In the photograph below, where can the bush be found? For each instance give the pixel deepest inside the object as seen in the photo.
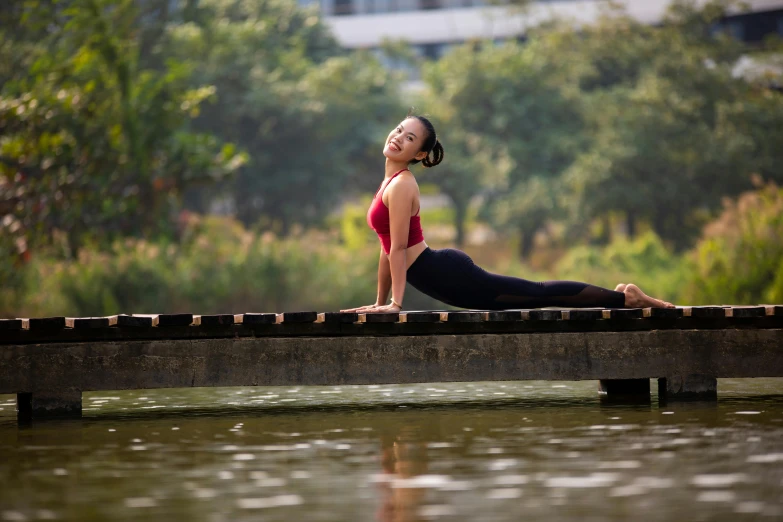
(218, 267)
(739, 259)
(644, 261)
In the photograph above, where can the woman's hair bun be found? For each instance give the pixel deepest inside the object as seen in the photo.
(437, 156)
(431, 145)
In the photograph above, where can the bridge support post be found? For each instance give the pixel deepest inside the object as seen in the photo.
(688, 387)
(625, 390)
(46, 404)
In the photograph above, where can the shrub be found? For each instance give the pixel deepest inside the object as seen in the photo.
(644, 261)
(217, 267)
(739, 259)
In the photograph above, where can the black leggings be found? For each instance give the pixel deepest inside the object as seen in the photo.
(450, 276)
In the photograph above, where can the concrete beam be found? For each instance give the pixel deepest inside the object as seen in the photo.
(49, 404)
(617, 387)
(381, 360)
(688, 387)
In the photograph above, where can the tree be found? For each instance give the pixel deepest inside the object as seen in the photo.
(513, 98)
(674, 131)
(311, 116)
(90, 144)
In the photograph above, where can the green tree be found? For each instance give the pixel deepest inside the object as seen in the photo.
(674, 130)
(311, 116)
(92, 145)
(513, 97)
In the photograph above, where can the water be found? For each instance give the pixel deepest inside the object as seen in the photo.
(459, 451)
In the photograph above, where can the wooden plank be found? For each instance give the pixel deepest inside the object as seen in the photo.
(136, 321)
(663, 313)
(175, 320)
(409, 328)
(583, 314)
(47, 323)
(774, 310)
(623, 313)
(422, 317)
(300, 317)
(11, 324)
(746, 311)
(503, 316)
(390, 317)
(95, 322)
(464, 317)
(341, 317)
(546, 315)
(218, 320)
(708, 312)
(253, 319)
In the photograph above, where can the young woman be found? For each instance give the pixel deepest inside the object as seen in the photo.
(449, 275)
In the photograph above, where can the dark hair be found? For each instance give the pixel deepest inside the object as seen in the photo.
(431, 144)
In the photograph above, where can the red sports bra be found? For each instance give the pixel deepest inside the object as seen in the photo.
(378, 219)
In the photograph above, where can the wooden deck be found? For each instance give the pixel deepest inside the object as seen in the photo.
(49, 362)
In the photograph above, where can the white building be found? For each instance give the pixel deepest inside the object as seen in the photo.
(431, 26)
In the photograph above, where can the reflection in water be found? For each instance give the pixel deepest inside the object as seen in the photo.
(403, 458)
(457, 452)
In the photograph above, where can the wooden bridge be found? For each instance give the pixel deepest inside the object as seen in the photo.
(49, 362)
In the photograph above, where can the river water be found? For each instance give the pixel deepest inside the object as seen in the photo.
(499, 451)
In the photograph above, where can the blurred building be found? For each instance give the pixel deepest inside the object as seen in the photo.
(432, 26)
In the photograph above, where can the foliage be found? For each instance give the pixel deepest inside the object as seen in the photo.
(116, 114)
(511, 97)
(673, 136)
(310, 115)
(739, 259)
(644, 261)
(653, 123)
(470, 170)
(218, 266)
(91, 144)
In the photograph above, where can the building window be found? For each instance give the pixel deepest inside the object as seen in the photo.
(343, 7)
(432, 51)
(429, 4)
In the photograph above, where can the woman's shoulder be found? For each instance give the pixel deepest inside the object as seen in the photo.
(405, 179)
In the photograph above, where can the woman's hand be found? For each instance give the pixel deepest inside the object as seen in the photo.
(374, 309)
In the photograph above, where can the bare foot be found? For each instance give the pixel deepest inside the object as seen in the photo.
(620, 287)
(635, 298)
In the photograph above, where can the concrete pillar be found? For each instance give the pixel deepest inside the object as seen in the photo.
(688, 387)
(624, 390)
(43, 405)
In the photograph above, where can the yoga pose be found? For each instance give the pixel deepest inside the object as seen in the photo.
(449, 275)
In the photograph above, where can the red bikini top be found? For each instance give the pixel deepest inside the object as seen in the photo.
(378, 219)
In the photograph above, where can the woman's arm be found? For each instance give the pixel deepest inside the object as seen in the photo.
(401, 197)
(384, 284)
(392, 269)
(384, 279)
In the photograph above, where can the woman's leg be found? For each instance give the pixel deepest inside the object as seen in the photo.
(451, 276)
(512, 292)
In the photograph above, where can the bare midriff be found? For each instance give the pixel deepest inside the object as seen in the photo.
(412, 253)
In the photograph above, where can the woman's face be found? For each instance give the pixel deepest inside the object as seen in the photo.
(404, 141)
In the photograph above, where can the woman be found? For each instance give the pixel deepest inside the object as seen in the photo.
(449, 275)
